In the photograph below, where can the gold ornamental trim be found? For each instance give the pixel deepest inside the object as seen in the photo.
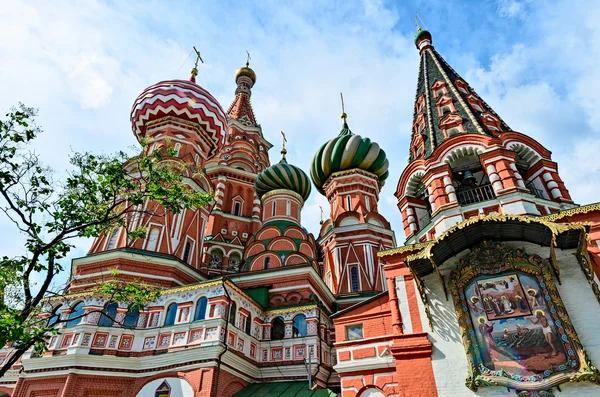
(283, 191)
(573, 211)
(292, 309)
(404, 248)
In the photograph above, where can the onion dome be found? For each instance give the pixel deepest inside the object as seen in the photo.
(247, 72)
(422, 34)
(283, 176)
(184, 100)
(345, 152)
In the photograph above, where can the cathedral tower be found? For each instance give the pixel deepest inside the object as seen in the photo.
(182, 115)
(465, 161)
(237, 212)
(350, 171)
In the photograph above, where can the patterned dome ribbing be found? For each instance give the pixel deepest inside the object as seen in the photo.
(283, 176)
(345, 152)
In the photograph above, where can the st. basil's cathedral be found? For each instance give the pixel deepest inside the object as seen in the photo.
(495, 291)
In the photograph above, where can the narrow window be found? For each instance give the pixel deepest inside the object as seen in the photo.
(277, 328)
(76, 315)
(237, 208)
(113, 239)
(54, 318)
(299, 326)
(196, 157)
(453, 131)
(288, 208)
(354, 278)
(349, 203)
(171, 313)
(232, 313)
(108, 315)
(368, 203)
(477, 107)
(249, 324)
(446, 110)
(274, 208)
(186, 251)
(200, 313)
(267, 262)
(177, 148)
(131, 318)
(152, 239)
(439, 93)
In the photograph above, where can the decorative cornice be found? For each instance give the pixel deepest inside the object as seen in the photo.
(283, 191)
(405, 248)
(573, 211)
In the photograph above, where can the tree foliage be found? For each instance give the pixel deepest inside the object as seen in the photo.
(98, 194)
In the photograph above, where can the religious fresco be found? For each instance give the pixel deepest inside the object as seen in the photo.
(514, 326)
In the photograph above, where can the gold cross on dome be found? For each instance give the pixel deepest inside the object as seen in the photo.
(284, 139)
(198, 58)
(321, 208)
(248, 59)
(343, 109)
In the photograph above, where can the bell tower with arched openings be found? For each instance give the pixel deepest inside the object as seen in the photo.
(465, 161)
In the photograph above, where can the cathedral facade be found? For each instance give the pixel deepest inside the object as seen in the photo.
(495, 290)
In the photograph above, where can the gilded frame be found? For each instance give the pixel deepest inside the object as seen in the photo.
(491, 259)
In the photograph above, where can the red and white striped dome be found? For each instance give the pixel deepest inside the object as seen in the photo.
(182, 99)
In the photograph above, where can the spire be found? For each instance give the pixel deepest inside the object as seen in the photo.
(241, 108)
(345, 129)
(195, 68)
(445, 104)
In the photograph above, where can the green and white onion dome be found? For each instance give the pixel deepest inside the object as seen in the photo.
(345, 152)
(283, 176)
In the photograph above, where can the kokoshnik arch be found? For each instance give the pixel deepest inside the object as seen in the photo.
(495, 291)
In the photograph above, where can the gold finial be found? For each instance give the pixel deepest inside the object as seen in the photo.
(344, 115)
(417, 19)
(198, 58)
(321, 208)
(283, 149)
(248, 59)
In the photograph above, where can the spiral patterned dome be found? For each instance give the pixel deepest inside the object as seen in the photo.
(283, 176)
(345, 152)
(184, 100)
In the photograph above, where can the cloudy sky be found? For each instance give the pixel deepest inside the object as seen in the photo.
(83, 64)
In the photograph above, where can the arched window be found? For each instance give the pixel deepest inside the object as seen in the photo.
(267, 262)
(299, 326)
(453, 131)
(288, 208)
(186, 251)
(232, 313)
(152, 239)
(76, 315)
(446, 110)
(248, 324)
(177, 148)
(371, 392)
(113, 239)
(109, 313)
(54, 318)
(354, 278)
(273, 210)
(131, 318)
(368, 203)
(171, 314)
(237, 208)
(349, 203)
(277, 328)
(200, 313)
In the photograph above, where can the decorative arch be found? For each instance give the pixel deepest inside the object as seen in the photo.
(348, 218)
(293, 298)
(524, 152)
(462, 151)
(277, 300)
(296, 259)
(294, 232)
(178, 387)
(255, 249)
(258, 262)
(268, 233)
(414, 181)
(282, 244)
(371, 391)
(377, 219)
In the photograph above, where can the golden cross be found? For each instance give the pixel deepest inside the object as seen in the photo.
(343, 109)
(248, 59)
(284, 139)
(198, 57)
(321, 208)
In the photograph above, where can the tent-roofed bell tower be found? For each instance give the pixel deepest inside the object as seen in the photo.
(237, 211)
(464, 160)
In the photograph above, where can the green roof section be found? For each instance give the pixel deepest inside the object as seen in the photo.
(282, 389)
(259, 294)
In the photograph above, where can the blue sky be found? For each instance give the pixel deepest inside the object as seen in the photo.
(83, 63)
